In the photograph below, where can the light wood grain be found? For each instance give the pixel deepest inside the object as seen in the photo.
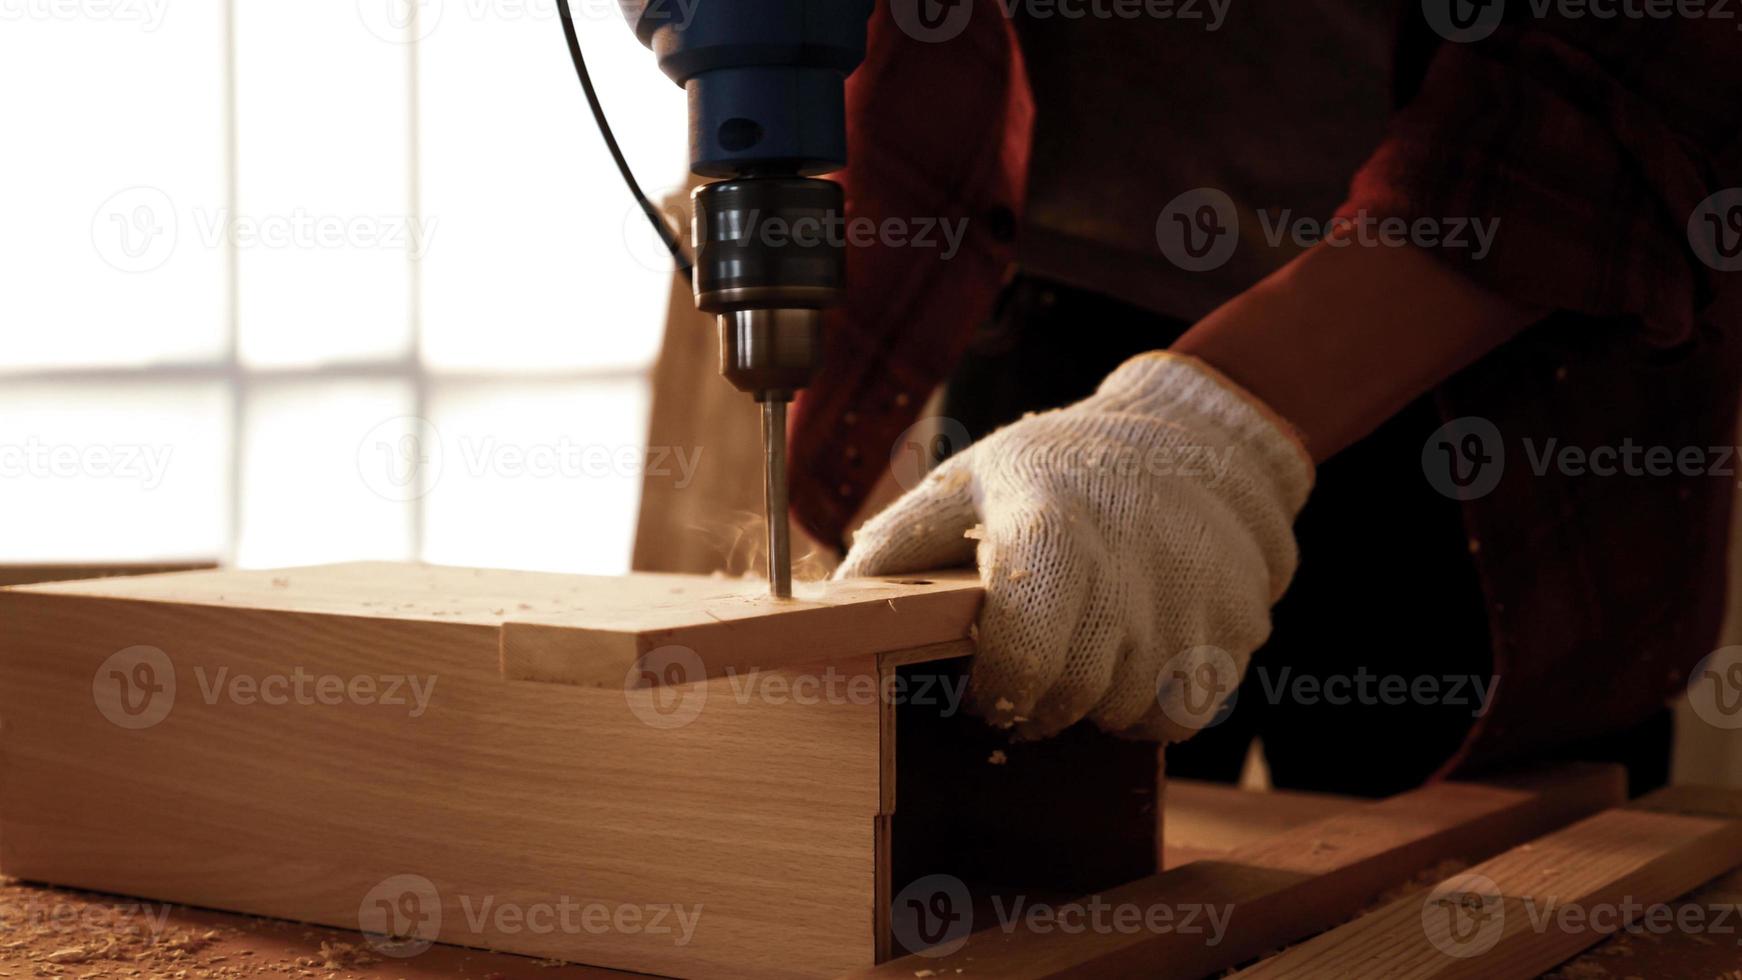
(763, 812)
(1528, 909)
(1210, 820)
(590, 630)
(30, 574)
(1289, 885)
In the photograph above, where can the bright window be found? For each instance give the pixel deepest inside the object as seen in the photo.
(285, 283)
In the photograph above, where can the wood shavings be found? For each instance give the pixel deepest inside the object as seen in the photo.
(1018, 574)
(1004, 704)
(975, 533)
(997, 758)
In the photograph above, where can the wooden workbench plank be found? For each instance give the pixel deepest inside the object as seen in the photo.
(1206, 821)
(590, 630)
(761, 812)
(1512, 917)
(1288, 886)
(33, 574)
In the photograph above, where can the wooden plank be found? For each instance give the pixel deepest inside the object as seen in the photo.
(590, 630)
(762, 813)
(1209, 820)
(31, 574)
(1655, 946)
(1528, 909)
(738, 627)
(1287, 887)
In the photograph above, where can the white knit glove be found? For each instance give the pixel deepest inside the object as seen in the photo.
(1131, 547)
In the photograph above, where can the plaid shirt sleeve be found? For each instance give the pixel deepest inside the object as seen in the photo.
(938, 125)
(1591, 143)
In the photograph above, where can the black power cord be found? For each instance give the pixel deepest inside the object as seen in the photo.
(666, 235)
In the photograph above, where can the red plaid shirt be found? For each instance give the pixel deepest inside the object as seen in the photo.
(1594, 143)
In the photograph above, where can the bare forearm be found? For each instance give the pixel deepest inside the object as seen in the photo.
(1343, 337)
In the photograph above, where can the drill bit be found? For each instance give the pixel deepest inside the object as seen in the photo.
(774, 496)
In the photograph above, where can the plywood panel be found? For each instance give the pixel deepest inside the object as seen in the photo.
(510, 799)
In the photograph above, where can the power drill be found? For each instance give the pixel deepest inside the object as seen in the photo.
(767, 103)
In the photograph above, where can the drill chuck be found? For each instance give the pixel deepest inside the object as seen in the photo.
(769, 259)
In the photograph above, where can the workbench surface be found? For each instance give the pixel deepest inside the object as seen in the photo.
(55, 933)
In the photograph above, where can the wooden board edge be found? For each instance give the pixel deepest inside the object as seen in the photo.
(1701, 847)
(1442, 821)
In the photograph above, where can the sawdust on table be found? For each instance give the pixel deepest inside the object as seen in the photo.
(51, 932)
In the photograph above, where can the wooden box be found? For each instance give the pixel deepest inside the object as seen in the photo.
(667, 774)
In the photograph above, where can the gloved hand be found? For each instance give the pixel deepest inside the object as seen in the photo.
(1131, 547)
